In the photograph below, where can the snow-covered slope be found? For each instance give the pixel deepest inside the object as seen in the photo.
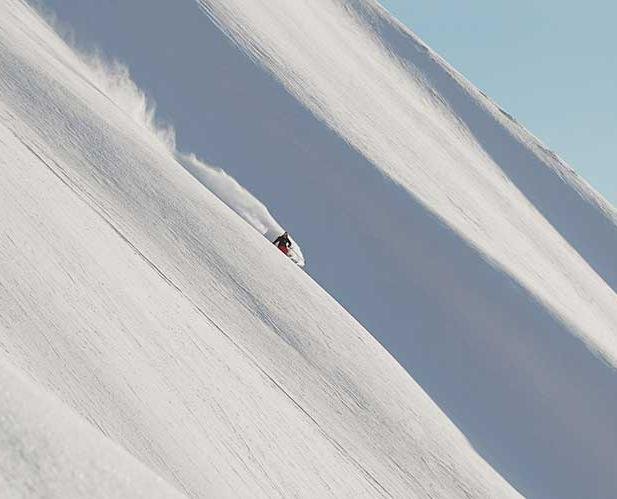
(47, 450)
(141, 315)
(468, 249)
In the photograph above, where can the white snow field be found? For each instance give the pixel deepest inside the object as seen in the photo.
(47, 450)
(141, 316)
(146, 307)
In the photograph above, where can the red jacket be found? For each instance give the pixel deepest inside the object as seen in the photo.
(283, 247)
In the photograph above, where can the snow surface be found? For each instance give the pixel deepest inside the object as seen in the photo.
(47, 450)
(483, 264)
(140, 315)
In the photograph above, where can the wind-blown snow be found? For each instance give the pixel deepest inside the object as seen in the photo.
(233, 194)
(114, 79)
(228, 190)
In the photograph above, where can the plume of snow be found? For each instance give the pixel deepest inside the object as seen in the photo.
(228, 190)
(114, 80)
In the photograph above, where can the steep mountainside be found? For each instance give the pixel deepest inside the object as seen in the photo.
(468, 249)
(146, 329)
(478, 259)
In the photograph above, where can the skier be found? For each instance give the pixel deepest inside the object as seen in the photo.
(283, 243)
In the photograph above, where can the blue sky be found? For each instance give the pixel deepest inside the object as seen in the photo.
(550, 63)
